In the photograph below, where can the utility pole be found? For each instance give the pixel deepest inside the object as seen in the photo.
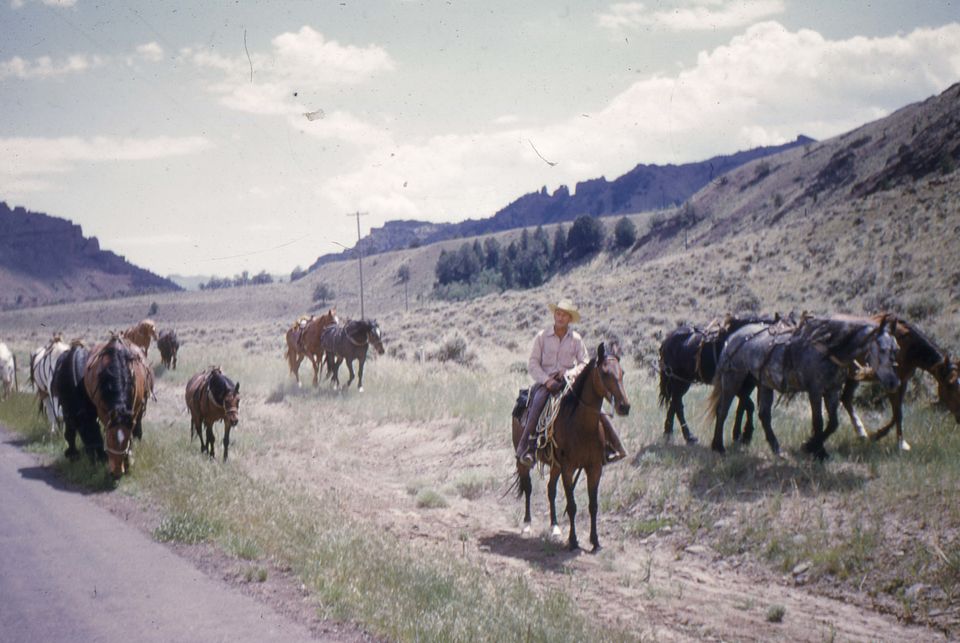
(358, 214)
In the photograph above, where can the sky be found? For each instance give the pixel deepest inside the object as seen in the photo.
(202, 138)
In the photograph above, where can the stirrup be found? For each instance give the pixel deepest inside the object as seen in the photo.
(527, 459)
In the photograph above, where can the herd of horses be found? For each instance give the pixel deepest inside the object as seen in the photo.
(824, 357)
(101, 394)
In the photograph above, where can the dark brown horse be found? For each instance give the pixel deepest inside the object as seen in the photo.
(119, 381)
(79, 413)
(348, 342)
(141, 334)
(169, 346)
(211, 397)
(689, 355)
(915, 351)
(577, 442)
(303, 340)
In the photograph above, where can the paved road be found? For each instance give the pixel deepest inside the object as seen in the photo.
(71, 571)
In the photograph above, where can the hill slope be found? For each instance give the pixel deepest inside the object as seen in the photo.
(645, 187)
(30, 276)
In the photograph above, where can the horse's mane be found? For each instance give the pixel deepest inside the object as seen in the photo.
(571, 399)
(923, 349)
(78, 362)
(842, 338)
(219, 385)
(114, 382)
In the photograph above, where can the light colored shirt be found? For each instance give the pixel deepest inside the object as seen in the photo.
(550, 354)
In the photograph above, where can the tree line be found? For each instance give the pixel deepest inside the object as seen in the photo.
(476, 268)
(237, 281)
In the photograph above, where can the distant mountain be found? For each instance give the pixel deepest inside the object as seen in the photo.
(189, 282)
(45, 259)
(645, 187)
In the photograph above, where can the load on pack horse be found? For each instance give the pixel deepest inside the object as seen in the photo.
(689, 355)
(169, 345)
(8, 372)
(303, 340)
(79, 412)
(576, 441)
(119, 381)
(141, 334)
(915, 351)
(815, 358)
(348, 342)
(211, 397)
(42, 362)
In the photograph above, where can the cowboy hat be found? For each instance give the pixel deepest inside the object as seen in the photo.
(568, 307)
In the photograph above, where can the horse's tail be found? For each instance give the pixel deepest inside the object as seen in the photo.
(710, 410)
(519, 484)
(16, 386)
(665, 394)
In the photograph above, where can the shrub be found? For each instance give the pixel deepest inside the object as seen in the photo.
(322, 293)
(923, 306)
(585, 237)
(624, 234)
(153, 309)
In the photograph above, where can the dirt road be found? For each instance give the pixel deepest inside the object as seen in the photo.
(71, 571)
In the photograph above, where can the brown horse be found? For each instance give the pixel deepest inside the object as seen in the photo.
(169, 345)
(212, 396)
(915, 351)
(303, 340)
(141, 334)
(118, 381)
(578, 442)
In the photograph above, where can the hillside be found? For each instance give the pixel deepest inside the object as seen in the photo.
(644, 188)
(45, 259)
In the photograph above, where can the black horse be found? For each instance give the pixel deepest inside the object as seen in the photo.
(169, 344)
(348, 342)
(689, 355)
(79, 413)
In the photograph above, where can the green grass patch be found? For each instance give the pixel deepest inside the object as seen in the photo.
(431, 499)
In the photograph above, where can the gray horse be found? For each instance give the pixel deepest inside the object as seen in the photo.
(814, 358)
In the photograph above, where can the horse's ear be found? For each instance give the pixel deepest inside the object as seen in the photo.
(236, 389)
(601, 352)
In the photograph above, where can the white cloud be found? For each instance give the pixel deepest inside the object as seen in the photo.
(151, 51)
(46, 67)
(694, 15)
(18, 4)
(766, 86)
(298, 62)
(25, 161)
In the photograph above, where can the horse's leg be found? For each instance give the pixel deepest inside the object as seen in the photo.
(814, 445)
(226, 439)
(593, 485)
(765, 401)
(744, 407)
(832, 401)
(315, 362)
(568, 489)
(360, 362)
(896, 406)
(70, 434)
(723, 406)
(349, 370)
(552, 499)
(211, 444)
(846, 397)
(678, 404)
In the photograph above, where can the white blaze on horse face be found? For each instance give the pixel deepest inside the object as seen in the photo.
(120, 437)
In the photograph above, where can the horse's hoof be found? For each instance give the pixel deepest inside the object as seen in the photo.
(555, 532)
(904, 445)
(360, 390)
(718, 448)
(574, 545)
(526, 529)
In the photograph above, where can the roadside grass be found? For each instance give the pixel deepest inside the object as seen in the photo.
(356, 573)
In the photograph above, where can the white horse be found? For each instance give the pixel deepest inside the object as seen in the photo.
(43, 361)
(8, 372)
